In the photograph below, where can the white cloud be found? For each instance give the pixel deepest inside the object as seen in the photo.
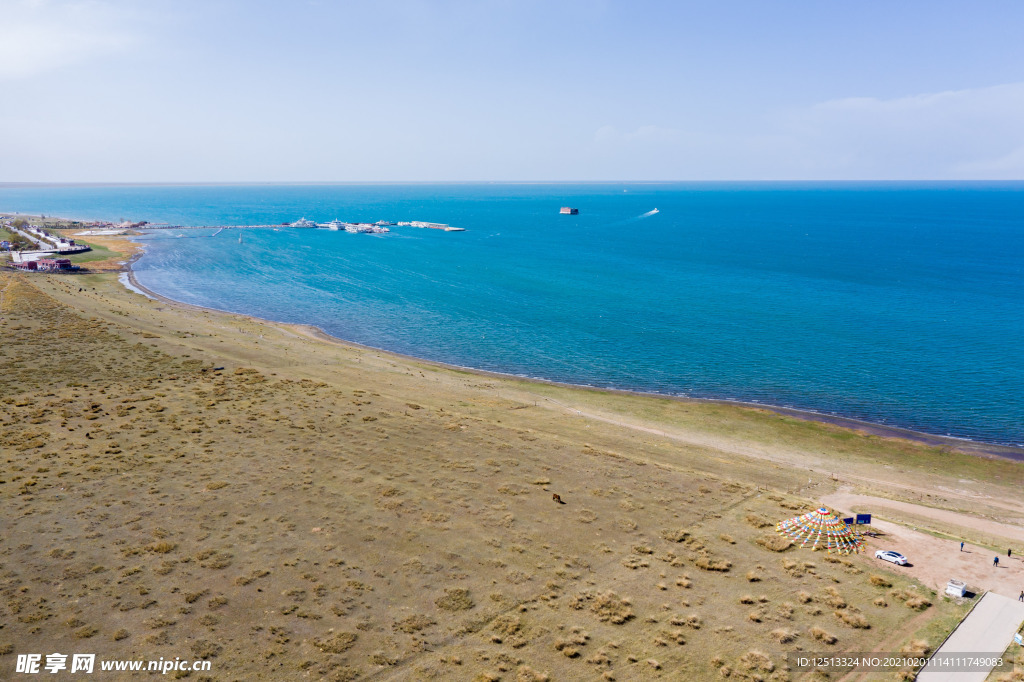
(961, 134)
(43, 35)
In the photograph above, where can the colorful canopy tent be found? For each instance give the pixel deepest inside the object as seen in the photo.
(822, 529)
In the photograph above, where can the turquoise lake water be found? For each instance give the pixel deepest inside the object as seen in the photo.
(901, 304)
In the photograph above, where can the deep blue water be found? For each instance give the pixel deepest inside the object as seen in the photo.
(900, 304)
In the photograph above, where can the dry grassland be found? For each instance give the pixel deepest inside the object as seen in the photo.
(327, 512)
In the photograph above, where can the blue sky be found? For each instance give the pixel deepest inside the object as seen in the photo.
(395, 90)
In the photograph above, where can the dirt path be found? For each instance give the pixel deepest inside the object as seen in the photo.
(848, 501)
(772, 455)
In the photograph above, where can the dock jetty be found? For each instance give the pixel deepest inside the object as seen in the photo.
(337, 225)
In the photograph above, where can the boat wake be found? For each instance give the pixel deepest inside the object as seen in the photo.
(641, 216)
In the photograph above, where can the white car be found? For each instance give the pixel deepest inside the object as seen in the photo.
(894, 557)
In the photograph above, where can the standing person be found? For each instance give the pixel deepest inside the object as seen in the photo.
(1009, 552)
(961, 546)
(995, 562)
(1021, 597)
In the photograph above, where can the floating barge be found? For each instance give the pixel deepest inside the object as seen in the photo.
(568, 210)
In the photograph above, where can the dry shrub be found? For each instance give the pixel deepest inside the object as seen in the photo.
(692, 621)
(675, 535)
(1015, 676)
(455, 599)
(413, 623)
(823, 635)
(527, 674)
(758, 521)
(757, 660)
(804, 597)
(215, 560)
(747, 599)
(880, 581)
(256, 574)
(755, 616)
(911, 599)
(917, 647)
(880, 601)
(161, 547)
(507, 625)
(337, 644)
(206, 649)
(834, 599)
(854, 620)
(635, 562)
(705, 562)
(753, 576)
(608, 606)
(192, 597)
(783, 636)
(774, 543)
(727, 538)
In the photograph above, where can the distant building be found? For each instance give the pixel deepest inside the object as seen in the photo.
(55, 264)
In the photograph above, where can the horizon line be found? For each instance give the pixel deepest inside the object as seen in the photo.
(214, 183)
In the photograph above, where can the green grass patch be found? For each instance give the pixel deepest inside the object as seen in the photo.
(98, 253)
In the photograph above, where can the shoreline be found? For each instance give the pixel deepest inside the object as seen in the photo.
(959, 444)
(963, 445)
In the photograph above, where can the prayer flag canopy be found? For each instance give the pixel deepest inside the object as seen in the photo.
(821, 529)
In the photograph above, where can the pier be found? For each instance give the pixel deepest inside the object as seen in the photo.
(416, 223)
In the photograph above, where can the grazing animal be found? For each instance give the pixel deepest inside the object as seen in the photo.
(557, 498)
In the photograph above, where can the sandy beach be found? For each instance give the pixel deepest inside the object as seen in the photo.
(184, 482)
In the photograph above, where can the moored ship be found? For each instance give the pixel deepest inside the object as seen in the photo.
(568, 210)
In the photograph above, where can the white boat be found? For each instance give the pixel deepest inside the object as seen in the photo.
(302, 222)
